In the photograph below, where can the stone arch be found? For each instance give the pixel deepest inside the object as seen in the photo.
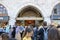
(35, 12)
(4, 18)
(3, 9)
(54, 6)
(30, 4)
(55, 15)
(30, 8)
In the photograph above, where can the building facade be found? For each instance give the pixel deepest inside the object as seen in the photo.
(44, 8)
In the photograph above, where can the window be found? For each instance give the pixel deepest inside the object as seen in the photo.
(55, 10)
(2, 9)
(55, 15)
(3, 14)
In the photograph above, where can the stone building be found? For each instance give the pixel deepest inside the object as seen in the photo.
(31, 11)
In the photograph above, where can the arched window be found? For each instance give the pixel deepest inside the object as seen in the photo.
(55, 16)
(3, 14)
(3, 9)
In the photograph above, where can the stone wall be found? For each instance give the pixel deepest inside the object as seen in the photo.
(15, 6)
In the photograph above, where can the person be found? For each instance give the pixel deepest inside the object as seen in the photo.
(24, 31)
(35, 29)
(10, 32)
(28, 34)
(1, 30)
(20, 27)
(5, 36)
(7, 30)
(18, 35)
(43, 32)
(58, 27)
(0, 37)
(53, 34)
(13, 32)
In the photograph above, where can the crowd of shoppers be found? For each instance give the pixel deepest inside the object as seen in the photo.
(30, 32)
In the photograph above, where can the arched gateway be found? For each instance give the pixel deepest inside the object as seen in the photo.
(4, 18)
(29, 15)
(55, 16)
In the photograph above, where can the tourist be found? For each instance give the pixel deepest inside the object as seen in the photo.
(35, 29)
(53, 34)
(5, 36)
(58, 27)
(0, 37)
(18, 35)
(10, 32)
(13, 32)
(28, 34)
(43, 32)
(21, 29)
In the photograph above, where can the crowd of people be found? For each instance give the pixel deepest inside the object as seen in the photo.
(19, 32)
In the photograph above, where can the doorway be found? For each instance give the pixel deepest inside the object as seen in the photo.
(29, 15)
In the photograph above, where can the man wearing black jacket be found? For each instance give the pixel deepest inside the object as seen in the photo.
(43, 32)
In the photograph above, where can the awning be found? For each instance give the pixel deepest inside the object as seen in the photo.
(29, 18)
